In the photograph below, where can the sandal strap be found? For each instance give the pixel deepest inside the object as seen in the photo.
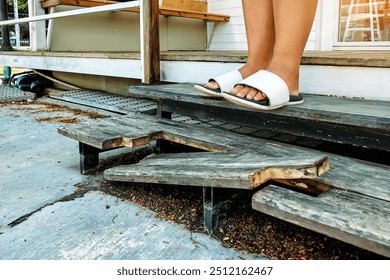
(271, 85)
(228, 80)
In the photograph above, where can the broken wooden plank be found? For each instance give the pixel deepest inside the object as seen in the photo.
(218, 170)
(367, 182)
(139, 129)
(355, 219)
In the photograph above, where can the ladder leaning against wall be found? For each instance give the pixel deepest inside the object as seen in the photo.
(355, 15)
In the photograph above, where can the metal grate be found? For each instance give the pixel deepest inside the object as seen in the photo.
(107, 101)
(10, 94)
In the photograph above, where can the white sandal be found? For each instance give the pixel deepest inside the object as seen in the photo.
(272, 86)
(225, 82)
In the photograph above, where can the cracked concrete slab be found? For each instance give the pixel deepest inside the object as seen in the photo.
(45, 215)
(37, 166)
(98, 226)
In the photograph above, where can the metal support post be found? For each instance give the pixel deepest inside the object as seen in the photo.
(216, 204)
(89, 158)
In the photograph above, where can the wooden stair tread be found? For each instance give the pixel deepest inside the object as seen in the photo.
(362, 123)
(359, 220)
(223, 170)
(365, 113)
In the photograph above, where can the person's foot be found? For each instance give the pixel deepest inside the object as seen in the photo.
(291, 78)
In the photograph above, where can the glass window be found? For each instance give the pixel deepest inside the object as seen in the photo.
(364, 21)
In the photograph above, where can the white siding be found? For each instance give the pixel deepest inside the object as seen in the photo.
(231, 36)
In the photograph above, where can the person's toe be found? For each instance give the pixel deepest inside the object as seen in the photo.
(251, 93)
(259, 96)
(236, 89)
(244, 91)
(212, 85)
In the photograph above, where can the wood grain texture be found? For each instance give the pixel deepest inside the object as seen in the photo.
(350, 217)
(185, 5)
(221, 170)
(151, 42)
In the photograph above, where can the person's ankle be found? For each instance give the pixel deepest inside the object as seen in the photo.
(289, 74)
(248, 70)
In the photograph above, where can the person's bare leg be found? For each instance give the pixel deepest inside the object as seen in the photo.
(293, 22)
(259, 25)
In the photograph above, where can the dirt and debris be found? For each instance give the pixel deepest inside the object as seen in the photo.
(40, 107)
(59, 120)
(244, 228)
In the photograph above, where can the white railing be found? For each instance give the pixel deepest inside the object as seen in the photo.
(104, 8)
(83, 11)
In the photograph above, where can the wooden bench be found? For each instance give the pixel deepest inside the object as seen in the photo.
(167, 9)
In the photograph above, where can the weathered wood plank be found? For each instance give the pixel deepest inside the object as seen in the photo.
(379, 59)
(220, 170)
(370, 114)
(350, 217)
(363, 123)
(352, 192)
(151, 42)
(134, 129)
(111, 132)
(185, 5)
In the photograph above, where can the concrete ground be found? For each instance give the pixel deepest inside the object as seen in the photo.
(49, 211)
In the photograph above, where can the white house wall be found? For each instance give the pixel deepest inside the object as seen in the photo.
(231, 36)
(119, 31)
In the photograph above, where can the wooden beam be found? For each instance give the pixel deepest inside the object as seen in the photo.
(150, 46)
(185, 5)
(195, 15)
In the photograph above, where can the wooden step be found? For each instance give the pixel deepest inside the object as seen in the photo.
(353, 218)
(218, 170)
(341, 196)
(362, 123)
